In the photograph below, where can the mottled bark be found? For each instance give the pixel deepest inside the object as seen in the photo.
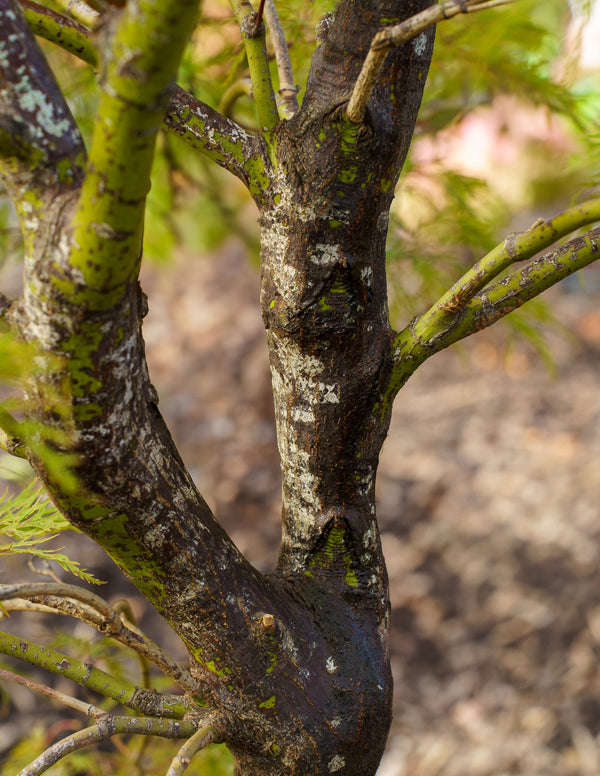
(293, 666)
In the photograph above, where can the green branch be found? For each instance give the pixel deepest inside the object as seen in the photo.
(221, 139)
(141, 63)
(66, 33)
(258, 64)
(84, 13)
(201, 127)
(439, 327)
(525, 284)
(146, 701)
(516, 247)
(104, 728)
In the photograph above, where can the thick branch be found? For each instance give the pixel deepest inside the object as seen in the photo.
(141, 65)
(221, 139)
(41, 150)
(392, 37)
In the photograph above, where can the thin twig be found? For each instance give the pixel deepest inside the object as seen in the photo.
(288, 92)
(95, 611)
(67, 700)
(391, 37)
(104, 728)
(201, 738)
(22, 605)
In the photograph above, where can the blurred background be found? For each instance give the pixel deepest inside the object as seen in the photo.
(489, 484)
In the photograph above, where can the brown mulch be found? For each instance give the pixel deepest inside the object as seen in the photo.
(489, 493)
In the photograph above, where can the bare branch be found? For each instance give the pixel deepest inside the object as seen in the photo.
(391, 37)
(104, 728)
(288, 91)
(67, 700)
(220, 138)
(201, 739)
(515, 248)
(95, 611)
(526, 283)
(238, 150)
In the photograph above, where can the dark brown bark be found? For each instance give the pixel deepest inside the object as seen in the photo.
(294, 666)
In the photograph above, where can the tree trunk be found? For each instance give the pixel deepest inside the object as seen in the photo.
(294, 665)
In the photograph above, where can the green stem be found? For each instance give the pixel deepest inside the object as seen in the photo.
(258, 64)
(417, 342)
(146, 701)
(66, 33)
(204, 129)
(140, 69)
(516, 247)
(525, 284)
(67, 599)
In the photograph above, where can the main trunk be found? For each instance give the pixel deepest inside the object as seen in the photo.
(294, 666)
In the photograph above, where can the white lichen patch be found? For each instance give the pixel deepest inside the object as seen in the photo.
(326, 255)
(34, 101)
(300, 415)
(3, 55)
(329, 393)
(420, 44)
(366, 274)
(336, 763)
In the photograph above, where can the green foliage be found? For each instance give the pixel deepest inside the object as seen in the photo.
(26, 519)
